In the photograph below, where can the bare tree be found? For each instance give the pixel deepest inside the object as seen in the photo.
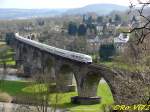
(3, 60)
(136, 56)
(44, 91)
(141, 31)
(40, 98)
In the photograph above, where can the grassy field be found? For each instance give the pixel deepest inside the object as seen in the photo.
(14, 88)
(2, 43)
(6, 55)
(122, 66)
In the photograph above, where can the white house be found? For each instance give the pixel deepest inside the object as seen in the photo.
(121, 40)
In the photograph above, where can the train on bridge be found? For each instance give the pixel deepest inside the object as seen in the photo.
(56, 51)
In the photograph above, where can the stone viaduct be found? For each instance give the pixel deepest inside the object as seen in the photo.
(61, 69)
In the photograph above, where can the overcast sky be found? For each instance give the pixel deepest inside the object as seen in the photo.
(29, 4)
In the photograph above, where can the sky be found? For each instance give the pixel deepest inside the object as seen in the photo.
(39, 4)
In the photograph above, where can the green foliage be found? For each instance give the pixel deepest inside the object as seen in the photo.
(84, 19)
(117, 18)
(100, 19)
(72, 28)
(6, 55)
(122, 29)
(79, 45)
(92, 28)
(9, 38)
(40, 22)
(110, 20)
(15, 88)
(82, 30)
(106, 52)
(90, 20)
(124, 66)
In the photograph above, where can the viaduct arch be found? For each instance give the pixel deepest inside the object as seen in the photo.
(61, 69)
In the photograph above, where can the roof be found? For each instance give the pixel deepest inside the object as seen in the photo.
(122, 38)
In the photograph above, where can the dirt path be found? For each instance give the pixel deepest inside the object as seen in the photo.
(10, 107)
(9, 71)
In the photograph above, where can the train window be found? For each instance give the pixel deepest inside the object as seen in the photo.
(28, 37)
(73, 55)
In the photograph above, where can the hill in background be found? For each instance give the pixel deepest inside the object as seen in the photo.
(100, 9)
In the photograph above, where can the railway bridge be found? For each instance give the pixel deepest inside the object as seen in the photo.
(62, 69)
